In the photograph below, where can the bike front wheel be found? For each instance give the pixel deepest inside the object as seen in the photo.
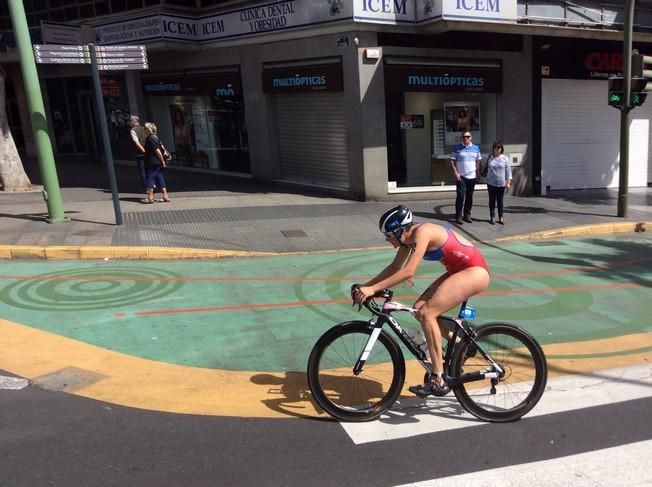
(525, 373)
(343, 394)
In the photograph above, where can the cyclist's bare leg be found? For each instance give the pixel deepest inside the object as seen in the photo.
(445, 293)
(426, 295)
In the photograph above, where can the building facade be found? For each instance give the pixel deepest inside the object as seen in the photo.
(361, 98)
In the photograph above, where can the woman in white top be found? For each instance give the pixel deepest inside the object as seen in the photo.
(499, 176)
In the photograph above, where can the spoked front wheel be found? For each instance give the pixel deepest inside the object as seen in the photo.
(509, 397)
(333, 383)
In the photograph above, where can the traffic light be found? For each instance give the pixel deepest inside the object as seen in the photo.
(638, 92)
(616, 91)
(639, 85)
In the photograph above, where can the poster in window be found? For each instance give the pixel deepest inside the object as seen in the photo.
(462, 116)
(182, 125)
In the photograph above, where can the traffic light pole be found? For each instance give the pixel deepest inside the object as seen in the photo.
(623, 181)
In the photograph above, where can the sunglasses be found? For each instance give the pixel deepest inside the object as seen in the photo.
(466, 136)
(389, 235)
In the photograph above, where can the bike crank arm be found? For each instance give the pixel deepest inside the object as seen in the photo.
(357, 369)
(472, 377)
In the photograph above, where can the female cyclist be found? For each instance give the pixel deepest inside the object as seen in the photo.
(466, 274)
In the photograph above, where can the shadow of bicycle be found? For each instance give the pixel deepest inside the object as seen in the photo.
(293, 398)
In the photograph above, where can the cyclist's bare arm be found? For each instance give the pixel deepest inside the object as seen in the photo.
(395, 266)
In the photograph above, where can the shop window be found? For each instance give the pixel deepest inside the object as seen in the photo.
(118, 6)
(203, 131)
(60, 115)
(86, 12)
(424, 127)
(134, 4)
(71, 13)
(35, 5)
(185, 3)
(102, 7)
(57, 15)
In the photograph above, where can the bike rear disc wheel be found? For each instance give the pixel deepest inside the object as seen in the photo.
(341, 393)
(518, 391)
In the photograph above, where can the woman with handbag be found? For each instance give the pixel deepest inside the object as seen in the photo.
(154, 164)
(498, 174)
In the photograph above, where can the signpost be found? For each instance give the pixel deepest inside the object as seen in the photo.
(61, 54)
(101, 58)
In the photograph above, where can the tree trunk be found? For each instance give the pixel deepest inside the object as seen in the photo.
(12, 173)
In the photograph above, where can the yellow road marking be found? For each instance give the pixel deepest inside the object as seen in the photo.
(148, 384)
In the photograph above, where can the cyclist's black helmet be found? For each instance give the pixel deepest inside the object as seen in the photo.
(395, 221)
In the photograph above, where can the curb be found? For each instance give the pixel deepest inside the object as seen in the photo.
(78, 252)
(582, 230)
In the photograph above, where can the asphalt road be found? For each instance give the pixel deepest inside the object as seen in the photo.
(234, 410)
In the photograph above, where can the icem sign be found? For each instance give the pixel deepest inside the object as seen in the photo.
(384, 11)
(479, 10)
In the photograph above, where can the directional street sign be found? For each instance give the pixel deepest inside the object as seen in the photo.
(109, 58)
(61, 54)
(112, 58)
(115, 49)
(117, 67)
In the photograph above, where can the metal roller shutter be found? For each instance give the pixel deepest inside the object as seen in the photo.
(580, 137)
(312, 138)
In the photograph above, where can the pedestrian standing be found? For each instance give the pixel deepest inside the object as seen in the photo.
(138, 137)
(154, 164)
(465, 164)
(499, 176)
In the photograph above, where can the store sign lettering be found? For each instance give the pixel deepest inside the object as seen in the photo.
(451, 81)
(225, 92)
(385, 6)
(479, 5)
(269, 17)
(299, 81)
(604, 61)
(266, 16)
(162, 87)
(478, 10)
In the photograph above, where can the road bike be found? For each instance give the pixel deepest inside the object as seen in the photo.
(356, 369)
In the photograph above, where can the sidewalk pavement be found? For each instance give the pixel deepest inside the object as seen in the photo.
(213, 215)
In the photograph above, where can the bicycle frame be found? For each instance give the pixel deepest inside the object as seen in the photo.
(458, 326)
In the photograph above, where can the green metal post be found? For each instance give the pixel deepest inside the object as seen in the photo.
(51, 191)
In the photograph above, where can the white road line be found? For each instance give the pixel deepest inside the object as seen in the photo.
(620, 465)
(12, 383)
(415, 416)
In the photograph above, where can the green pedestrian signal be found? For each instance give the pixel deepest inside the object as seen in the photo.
(638, 99)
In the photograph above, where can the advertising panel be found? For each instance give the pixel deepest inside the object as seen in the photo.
(462, 116)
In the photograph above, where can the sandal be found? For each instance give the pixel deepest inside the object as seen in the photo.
(147, 201)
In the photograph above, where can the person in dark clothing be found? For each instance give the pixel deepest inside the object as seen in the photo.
(154, 164)
(138, 136)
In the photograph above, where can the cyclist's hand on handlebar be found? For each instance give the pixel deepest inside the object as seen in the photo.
(361, 294)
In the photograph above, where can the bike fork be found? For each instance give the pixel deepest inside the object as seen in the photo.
(357, 369)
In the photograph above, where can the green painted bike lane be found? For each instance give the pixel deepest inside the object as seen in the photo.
(265, 313)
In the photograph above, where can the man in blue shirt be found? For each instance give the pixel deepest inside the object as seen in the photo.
(465, 163)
